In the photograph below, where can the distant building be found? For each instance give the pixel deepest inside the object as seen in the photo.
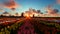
(22, 14)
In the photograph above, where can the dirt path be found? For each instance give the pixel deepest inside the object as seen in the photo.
(26, 28)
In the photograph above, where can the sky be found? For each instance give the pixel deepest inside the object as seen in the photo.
(24, 5)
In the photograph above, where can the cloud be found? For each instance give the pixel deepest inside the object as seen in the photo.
(58, 1)
(55, 10)
(1, 10)
(52, 13)
(50, 10)
(10, 4)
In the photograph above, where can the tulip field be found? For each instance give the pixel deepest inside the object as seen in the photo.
(29, 26)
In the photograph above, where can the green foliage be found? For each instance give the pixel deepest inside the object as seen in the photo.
(7, 30)
(56, 25)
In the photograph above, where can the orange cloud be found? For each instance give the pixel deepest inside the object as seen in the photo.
(10, 4)
(58, 1)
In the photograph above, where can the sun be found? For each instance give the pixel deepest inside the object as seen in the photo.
(26, 15)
